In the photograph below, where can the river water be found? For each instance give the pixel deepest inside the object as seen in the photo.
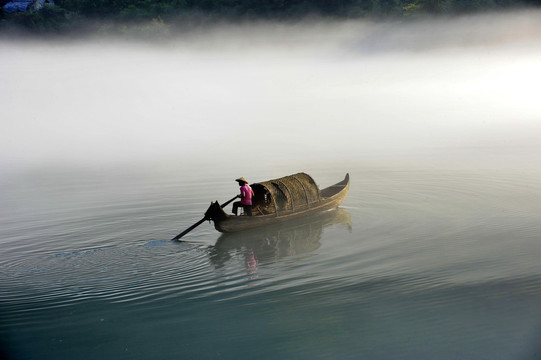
(416, 263)
(434, 254)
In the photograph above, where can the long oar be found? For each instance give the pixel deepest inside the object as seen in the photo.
(199, 222)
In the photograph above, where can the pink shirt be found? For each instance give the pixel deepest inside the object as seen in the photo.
(246, 193)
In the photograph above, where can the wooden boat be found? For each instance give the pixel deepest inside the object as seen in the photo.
(280, 200)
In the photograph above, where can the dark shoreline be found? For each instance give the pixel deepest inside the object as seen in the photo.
(160, 19)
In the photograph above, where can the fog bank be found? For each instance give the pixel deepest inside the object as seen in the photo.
(452, 89)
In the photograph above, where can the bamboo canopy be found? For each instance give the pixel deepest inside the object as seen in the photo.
(289, 193)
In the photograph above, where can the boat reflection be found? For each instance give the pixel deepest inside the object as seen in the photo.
(273, 242)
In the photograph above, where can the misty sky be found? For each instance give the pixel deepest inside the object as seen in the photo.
(368, 90)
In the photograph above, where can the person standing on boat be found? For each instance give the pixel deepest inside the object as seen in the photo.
(246, 194)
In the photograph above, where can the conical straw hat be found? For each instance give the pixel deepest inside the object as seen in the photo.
(241, 179)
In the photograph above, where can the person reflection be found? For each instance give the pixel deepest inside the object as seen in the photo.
(251, 264)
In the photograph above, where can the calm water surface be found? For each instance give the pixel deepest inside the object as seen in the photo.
(418, 263)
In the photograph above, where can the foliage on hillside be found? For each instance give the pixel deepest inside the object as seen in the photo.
(70, 15)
